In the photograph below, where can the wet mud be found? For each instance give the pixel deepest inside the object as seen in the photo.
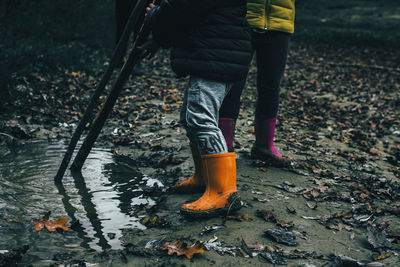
(337, 204)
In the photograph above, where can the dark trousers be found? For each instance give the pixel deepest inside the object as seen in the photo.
(271, 48)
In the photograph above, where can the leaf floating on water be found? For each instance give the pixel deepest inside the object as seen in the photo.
(16, 220)
(50, 225)
(180, 248)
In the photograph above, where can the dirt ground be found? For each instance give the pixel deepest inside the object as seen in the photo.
(336, 205)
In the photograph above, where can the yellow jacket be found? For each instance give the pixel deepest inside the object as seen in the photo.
(277, 15)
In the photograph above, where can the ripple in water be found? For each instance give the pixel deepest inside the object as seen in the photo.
(102, 199)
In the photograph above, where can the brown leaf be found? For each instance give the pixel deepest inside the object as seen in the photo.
(76, 74)
(266, 215)
(270, 217)
(16, 220)
(312, 206)
(50, 225)
(241, 218)
(180, 248)
(166, 108)
(259, 246)
(384, 256)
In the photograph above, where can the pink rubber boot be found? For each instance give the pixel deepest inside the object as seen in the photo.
(227, 126)
(264, 147)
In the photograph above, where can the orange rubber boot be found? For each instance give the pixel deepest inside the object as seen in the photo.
(196, 183)
(221, 194)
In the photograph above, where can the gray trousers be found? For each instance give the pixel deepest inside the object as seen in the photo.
(199, 114)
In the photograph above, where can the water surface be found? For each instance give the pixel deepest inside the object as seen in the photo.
(102, 199)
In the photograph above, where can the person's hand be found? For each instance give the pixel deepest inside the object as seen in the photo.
(146, 28)
(151, 5)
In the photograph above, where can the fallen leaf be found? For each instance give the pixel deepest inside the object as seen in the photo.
(76, 74)
(282, 236)
(384, 256)
(269, 216)
(312, 206)
(261, 199)
(241, 218)
(377, 238)
(180, 248)
(258, 246)
(50, 225)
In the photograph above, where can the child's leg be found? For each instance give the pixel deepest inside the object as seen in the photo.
(203, 99)
(271, 49)
(229, 112)
(197, 109)
(199, 114)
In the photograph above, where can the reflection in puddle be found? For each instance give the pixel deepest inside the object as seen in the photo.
(102, 199)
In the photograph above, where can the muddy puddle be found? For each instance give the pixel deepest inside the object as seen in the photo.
(99, 202)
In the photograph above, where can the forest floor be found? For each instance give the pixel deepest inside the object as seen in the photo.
(338, 203)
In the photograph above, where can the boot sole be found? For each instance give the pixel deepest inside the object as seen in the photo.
(271, 159)
(233, 205)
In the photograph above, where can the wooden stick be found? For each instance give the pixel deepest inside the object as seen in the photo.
(134, 57)
(133, 19)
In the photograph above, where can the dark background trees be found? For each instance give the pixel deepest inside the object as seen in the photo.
(39, 36)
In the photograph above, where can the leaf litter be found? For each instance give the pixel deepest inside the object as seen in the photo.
(336, 104)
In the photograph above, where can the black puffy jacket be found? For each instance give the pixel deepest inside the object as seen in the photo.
(209, 38)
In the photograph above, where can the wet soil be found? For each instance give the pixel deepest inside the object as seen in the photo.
(338, 121)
